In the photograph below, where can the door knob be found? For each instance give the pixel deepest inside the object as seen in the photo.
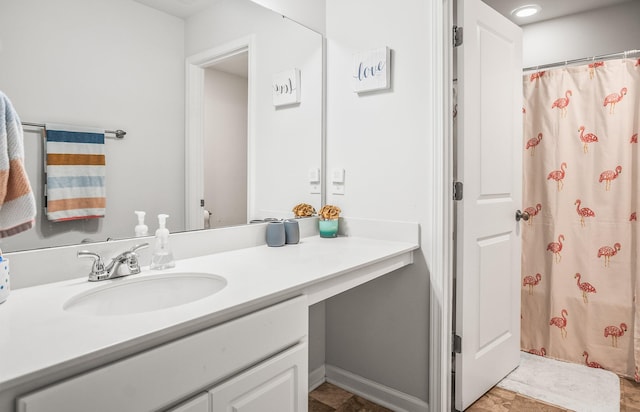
(522, 215)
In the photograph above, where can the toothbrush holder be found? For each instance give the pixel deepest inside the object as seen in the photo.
(275, 234)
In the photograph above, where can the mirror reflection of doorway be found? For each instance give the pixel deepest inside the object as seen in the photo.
(225, 141)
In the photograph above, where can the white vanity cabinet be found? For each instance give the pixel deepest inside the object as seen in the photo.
(199, 403)
(277, 384)
(258, 357)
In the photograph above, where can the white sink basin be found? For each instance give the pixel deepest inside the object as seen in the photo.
(126, 296)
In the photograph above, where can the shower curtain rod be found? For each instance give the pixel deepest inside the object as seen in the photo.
(623, 54)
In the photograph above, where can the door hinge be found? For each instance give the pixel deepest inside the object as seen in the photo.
(201, 202)
(457, 190)
(457, 344)
(457, 36)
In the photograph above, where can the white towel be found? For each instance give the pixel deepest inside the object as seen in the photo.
(75, 172)
(17, 203)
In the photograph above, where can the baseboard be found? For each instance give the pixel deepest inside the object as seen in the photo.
(316, 377)
(373, 391)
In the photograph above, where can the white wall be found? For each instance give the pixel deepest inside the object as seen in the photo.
(286, 141)
(380, 330)
(88, 62)
(310, 13)
(602, 31)
(225, 147)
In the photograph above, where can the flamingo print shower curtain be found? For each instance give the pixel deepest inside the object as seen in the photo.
(581, 189)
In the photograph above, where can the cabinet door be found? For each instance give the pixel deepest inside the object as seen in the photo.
(277, 384)
(198, 404)
(165, 374)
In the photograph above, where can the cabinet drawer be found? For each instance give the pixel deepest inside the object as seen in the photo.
(163, 375)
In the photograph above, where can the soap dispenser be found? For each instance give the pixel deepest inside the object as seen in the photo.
(162, 256)
(141, 229)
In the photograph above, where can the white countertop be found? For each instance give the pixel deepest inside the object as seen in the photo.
(38, 337)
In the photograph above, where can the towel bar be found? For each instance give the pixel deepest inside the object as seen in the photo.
(119, 133)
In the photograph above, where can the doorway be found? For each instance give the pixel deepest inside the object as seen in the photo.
(218, 135)
(226, 88)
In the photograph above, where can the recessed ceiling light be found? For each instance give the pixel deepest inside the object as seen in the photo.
(526, 11)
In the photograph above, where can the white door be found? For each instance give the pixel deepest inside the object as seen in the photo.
(489, 164)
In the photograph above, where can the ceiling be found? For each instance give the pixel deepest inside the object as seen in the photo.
(550, 8)
(179, 8)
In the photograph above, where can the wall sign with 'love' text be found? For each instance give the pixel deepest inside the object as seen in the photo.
(371, 70)
(286, 87)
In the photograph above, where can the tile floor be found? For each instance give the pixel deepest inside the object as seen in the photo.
(498, 399)
(330, 398)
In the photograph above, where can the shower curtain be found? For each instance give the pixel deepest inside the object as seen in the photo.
(581, 190)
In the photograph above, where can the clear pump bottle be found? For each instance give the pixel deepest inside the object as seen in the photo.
(141, 229)
(162, 257)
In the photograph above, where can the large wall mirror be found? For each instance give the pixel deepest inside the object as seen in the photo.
(130, 64)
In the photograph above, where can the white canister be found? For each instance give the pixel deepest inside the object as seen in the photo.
(5, 286)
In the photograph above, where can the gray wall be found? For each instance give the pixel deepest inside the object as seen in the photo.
(602, 31)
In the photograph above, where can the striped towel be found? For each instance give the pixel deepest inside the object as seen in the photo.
(75, 173)
(17, 203)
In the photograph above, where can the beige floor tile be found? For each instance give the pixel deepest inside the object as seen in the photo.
(492, 402)
(331, 395)
(524, 404)
(358, 404)
(317, 406)
(629, 395)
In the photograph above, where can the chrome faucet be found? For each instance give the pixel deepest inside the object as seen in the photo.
(125, 264)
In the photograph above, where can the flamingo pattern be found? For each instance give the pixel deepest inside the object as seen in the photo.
(556, 248)
(592, 68)
(584, 287)
(615, 332)
(533, 211)
(531, 281)
(589, 119)
(562, 102)
(536, 76)
(613, 99)
(560, 322)
(608, 176)
(558, 175)
(607, 252)
(596, 365)
(583, 212)
(586, 139)
(533, 142)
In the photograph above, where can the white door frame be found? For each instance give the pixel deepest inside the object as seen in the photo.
(194, 125)
(441, 259)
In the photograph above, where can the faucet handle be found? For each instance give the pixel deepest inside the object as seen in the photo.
(98, 271)
(138, 247)
(132, 258)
